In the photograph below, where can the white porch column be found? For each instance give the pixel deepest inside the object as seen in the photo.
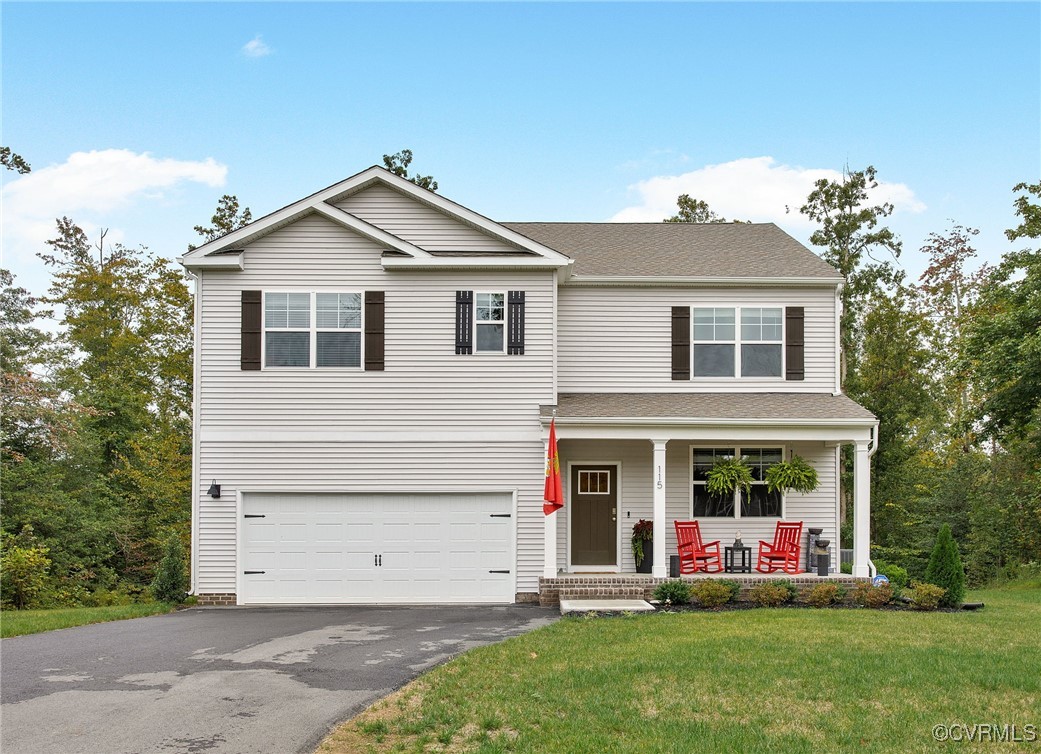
(658, 567)
(549, 561)
(861, 510)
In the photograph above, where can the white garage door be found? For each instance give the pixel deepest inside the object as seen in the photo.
(368, 548)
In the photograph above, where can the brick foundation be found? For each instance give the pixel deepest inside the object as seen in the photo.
(639, 586)
(222, 600)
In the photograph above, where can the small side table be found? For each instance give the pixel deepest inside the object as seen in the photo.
(743, 563)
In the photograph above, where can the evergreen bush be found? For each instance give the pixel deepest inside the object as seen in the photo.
(945, 569)
(673, 592)
(925, 596)
(171, 578)
(711, 593)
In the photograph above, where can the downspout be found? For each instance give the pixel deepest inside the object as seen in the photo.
(872, 447)
(196, 370)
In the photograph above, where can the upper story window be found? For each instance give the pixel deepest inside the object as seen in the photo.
(490, 322)
(312, 329)
(724, 349)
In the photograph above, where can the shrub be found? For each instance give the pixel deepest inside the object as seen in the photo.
(710, 593)
(822, 595)
(897, 575)
(733, 586)
(24, 568)
(171, 579)
(867, 594)
(925, 596)
(945, 569)
(770, 594)
(673, 592)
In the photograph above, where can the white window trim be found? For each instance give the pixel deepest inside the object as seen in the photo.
(737, 493)
(313, 330)
(737, 342)
(477, 323)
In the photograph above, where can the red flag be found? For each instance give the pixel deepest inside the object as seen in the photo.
(554, 494)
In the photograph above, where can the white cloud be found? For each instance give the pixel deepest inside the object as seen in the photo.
(256, 48)
(751, 188)
(95, 189)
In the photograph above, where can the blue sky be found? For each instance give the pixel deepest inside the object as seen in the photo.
(137, 117)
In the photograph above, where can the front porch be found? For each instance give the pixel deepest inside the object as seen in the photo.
(636, 586)
(631, 457)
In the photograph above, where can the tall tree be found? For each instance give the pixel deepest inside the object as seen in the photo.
(226, 218)
(947, 293)
(398, 163)
(1030, 211)
(692, 210)
(850, 234)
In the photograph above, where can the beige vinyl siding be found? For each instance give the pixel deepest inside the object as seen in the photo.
(425, 383)
(432, 421)
(817, 509)
(419, 223)
(615, 339)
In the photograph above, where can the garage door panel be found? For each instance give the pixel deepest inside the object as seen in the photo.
(329, 548)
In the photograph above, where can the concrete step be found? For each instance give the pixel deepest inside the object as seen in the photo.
(604, 606)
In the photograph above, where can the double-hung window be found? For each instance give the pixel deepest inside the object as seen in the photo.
(758, 502)
(312, 329)
(722, 348)
(490, 322)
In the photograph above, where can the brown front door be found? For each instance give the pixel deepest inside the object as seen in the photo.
(594, 515)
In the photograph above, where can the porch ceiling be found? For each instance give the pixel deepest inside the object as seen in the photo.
(820, 415)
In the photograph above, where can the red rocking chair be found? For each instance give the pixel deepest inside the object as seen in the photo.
(783, 554)
(696, 555)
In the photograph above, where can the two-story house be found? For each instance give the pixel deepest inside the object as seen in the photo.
(377, 368)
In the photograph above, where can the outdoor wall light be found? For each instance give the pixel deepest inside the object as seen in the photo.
(214, 490)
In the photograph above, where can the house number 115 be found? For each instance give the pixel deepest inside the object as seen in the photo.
(659, 478)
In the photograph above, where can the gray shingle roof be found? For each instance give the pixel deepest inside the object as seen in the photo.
(726, 250)
(697, 406)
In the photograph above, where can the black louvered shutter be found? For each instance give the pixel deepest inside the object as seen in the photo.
(374, 329)
(681, 342)
(794, 343)
(464, 321)
(515, 323)
(249, 351)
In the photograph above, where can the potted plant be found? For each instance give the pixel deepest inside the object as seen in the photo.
(643, 547)
(795, 474)
(727, 475)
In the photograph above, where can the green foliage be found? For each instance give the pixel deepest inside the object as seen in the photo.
(849, 232)
(711, 593)
(733, 586)
(398, 163)
(24, 568)
(771, 593)
(643, 531)
(673, 592)
(867, 594)
(945, 568)
(897, 576)
(824, 594)
(925, 596)
(226, 218)
(693, 211)
(171, 579)
(727, 475)
(1030, 211)
(12, 161)
(795, 474)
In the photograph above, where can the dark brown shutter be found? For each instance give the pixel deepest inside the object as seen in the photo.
(464, 321)
(374, 329)
(794, 343)
(515, 323)
(249, 352)
(681, 342)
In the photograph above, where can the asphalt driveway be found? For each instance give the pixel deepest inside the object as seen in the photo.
(227, 680)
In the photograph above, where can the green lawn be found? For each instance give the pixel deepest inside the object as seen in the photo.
(21, 622)
(780, 680)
